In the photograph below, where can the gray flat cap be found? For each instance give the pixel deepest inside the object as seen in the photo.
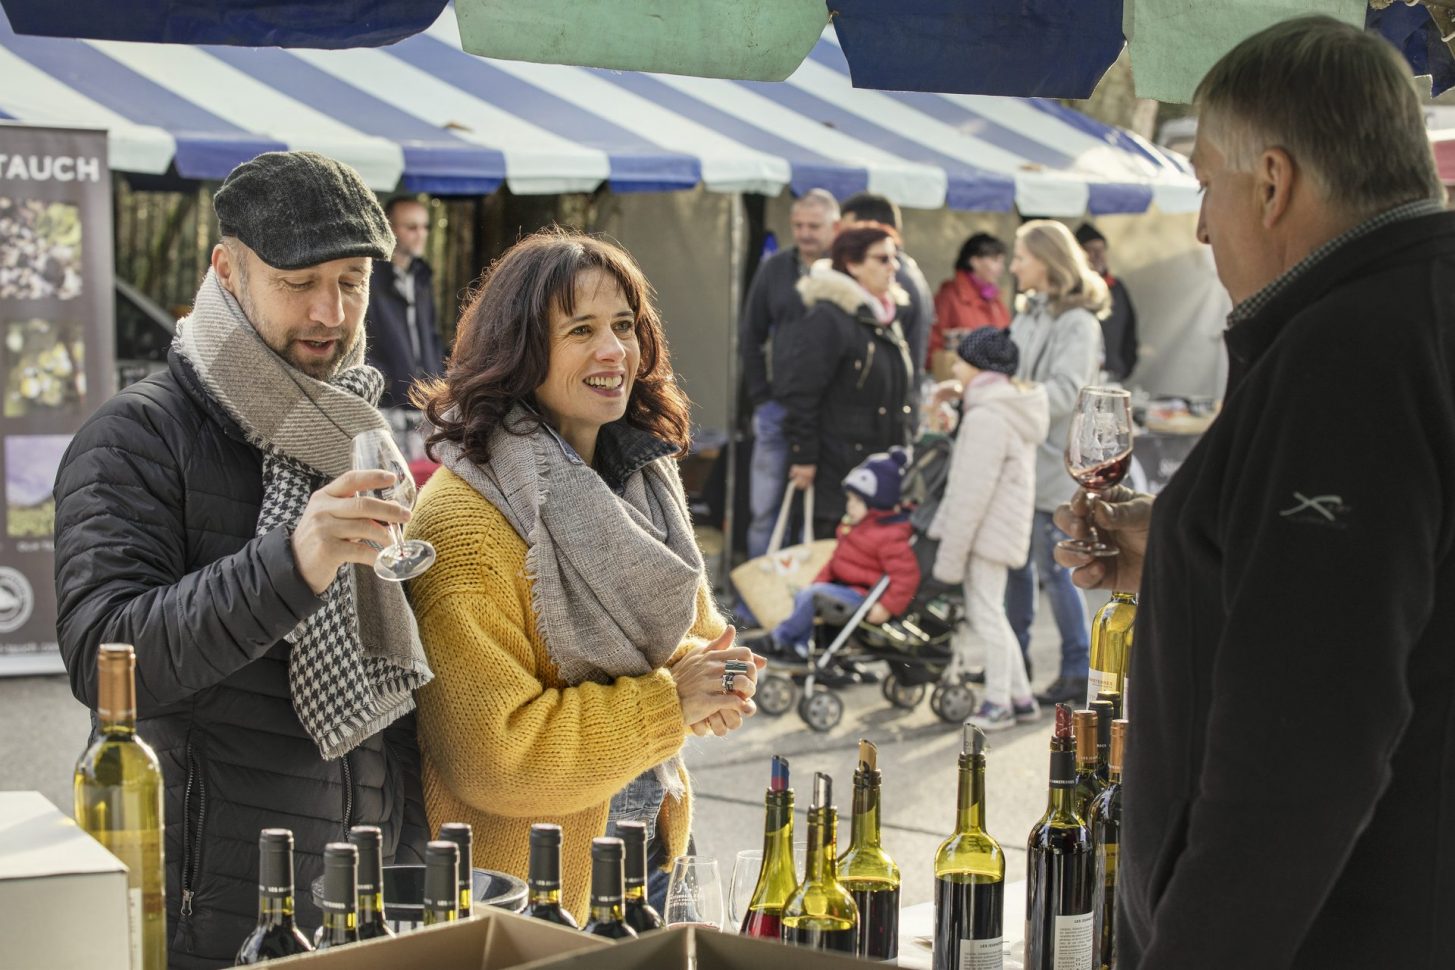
(297, 209)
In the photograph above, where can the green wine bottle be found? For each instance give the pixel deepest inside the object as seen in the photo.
(608, 890)
(1106, 828)
(639, 914)
(545, 876)
(820, 914)
(970, 874)
(462, 835)
(1111, 647)
(340, 896)
(776, 878)
(441, 882)
(1089, 782)
(866, 870)
(118, 800)
(369, 840)
(276, 935)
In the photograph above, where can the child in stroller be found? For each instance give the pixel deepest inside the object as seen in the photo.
(910, 631)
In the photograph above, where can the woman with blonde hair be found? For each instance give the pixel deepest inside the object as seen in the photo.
(1059, 338)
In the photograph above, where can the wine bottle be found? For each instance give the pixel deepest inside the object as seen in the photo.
(1111, 645)
(275, 935)
(866, 870)
(969, 875)
(1105, 714)
(1106, 827)
(639, 914)
(461, 834)
(441, 882)
(118, 800)
(820, 913)
(545, 876)
(1060, 868)
(369, 840)
(1114, 698)
(776, 877)
(1089, 783)
(340, 896)
(608, 890)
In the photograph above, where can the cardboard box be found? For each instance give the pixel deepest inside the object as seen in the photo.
(53, 874)
(694, 948)
(493, 940)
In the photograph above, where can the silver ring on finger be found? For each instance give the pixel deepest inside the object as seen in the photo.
(727, 681)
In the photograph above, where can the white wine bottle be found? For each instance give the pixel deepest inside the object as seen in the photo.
(118, 795)
(1111, 647)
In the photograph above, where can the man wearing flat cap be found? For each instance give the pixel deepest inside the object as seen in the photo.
(208, 516)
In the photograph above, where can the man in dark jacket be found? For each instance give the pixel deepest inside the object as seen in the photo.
(919, 317)
(772, 304)
(1289, 774)
(403, 336)
(208, 515)
(1119, 326)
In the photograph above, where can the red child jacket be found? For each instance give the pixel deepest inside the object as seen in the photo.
(879, 544)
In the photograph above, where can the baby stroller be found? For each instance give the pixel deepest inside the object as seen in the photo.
(914, 646)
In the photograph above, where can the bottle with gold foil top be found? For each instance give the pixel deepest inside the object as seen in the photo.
(821, 915)
(1111, 647)
(1089, 782)
(118, 800)
(866, 870)
(1106, 827)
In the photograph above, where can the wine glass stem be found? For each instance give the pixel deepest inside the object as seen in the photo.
(396, 532)
(1092, 536)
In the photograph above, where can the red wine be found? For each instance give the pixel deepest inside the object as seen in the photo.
(762, 925)
(1101, 476)
(878, 922)
(968, 914)
(841, 941)
(1061, 885)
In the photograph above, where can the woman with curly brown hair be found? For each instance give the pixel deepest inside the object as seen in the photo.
(568, 618)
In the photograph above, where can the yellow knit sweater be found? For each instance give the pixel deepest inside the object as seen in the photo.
(505, 742)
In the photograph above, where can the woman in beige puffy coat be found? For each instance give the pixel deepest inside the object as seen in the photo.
(984, 520)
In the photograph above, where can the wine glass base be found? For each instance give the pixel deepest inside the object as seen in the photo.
(1098, 549)
(404, 561)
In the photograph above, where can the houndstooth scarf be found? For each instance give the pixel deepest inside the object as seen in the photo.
(598, 620)
(357, 660)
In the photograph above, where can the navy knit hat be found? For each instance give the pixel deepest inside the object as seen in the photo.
(876, 481)
(990, 349)
(297, 209)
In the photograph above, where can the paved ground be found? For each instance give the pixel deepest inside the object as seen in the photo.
(44, 730)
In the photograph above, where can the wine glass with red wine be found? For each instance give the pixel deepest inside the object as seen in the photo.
(1098, 453)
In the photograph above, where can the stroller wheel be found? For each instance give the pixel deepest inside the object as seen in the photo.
(775, 694)
(822, 710)
(953, 702)
(901, 694)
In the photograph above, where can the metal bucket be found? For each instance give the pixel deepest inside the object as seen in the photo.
(404, 894)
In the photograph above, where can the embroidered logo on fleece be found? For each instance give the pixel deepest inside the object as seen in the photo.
(1323, 510)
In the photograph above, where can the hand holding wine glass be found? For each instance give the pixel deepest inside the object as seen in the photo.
(1098, 454)
(399, 559)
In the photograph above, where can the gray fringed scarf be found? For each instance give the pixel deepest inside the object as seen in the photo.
(357, 660)
(615, 578)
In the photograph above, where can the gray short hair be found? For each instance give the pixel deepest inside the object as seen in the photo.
(819, 197)
(1338, 100)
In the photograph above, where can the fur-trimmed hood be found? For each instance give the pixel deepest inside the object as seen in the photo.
(824, 283)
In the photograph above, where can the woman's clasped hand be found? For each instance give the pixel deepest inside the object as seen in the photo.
(700, 676)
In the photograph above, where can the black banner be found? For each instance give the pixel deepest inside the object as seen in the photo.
(57, 357)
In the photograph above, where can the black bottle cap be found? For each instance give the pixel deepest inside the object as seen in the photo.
(608, 883)
(545, 857)
(462, 835)
(634, 838)
(1105, 712)
(369, 840)
(441, 860)
(275, 862)
(340, 877)
(1063, 769)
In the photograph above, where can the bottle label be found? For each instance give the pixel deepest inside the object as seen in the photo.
(1071, 947)
(982, 954)
(135, 920)
(1100, 680)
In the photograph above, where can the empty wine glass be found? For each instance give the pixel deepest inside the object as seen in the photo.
(401, 560)
(746, 869)
(1098, 453)
(694, 892)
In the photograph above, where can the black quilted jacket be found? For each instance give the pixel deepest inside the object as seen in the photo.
(156, 503)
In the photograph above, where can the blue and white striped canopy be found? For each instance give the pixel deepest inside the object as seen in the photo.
(425, 116)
